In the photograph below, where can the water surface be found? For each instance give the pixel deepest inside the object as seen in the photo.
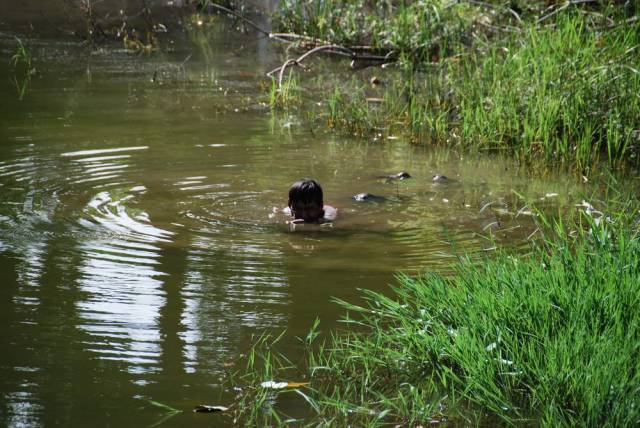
(139, 248)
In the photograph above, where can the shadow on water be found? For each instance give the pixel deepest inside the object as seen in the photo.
(139, 250)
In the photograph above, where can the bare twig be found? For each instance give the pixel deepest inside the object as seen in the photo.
(618, 24)
(293, 36)
(334, 49)
(563, 7)
(515, 14)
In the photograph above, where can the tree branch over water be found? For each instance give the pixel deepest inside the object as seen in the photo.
(330, 48)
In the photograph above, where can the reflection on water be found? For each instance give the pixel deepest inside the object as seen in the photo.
(139, 250)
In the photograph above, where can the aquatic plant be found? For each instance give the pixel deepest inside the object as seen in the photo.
(22, 67)
(286, 93)
(21, 55)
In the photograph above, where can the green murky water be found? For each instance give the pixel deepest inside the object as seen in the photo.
(139, 250)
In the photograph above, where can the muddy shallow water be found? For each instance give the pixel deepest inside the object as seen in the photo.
(139, 248)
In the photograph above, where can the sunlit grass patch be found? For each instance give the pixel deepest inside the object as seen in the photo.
(565, 94)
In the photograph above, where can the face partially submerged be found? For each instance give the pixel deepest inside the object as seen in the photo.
(309, 211)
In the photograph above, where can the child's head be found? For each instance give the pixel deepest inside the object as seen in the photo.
(306, 200)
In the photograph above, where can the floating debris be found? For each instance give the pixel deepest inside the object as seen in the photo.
(281, 385)
(364, 197)
(204, 408)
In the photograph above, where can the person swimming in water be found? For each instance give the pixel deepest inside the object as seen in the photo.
(306, 204)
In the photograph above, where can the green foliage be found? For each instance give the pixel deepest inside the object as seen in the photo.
(22, 56)
(168, 412)
(22, 67)
(564, 93)
(286, 94)
(255, 404)
(552, 337)
(559, 95)
(414, 29)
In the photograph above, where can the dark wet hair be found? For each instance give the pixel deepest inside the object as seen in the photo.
(306, 190)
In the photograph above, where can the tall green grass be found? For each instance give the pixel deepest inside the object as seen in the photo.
(549, 339)
(563, 95)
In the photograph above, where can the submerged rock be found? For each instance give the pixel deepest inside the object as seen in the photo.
(402, 175)
(365, 197)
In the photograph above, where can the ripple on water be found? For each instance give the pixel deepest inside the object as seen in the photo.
(20, 169)
(111, 215)
(232, 286)
(99, 165)
(120, 276)
(123, 297)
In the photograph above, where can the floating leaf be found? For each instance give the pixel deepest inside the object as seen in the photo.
(204, 408)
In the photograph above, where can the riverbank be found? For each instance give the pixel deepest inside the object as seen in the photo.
(550, 339)
(552, 85)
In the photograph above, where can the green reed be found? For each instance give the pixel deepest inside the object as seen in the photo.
(551, 339)
(406, 27)
(21, 55)
(22, 67)
(287, 94)
(562, 93)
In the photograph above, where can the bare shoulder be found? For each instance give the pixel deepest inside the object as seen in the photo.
(330, 213)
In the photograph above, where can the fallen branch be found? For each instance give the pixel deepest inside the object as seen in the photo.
(563, 7)
(335, 49)
(293, 36)
(505, 29)
(312, 42)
